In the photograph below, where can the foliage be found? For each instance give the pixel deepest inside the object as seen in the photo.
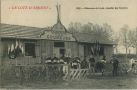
(128, 37)
(124, 40)
(74, 27)
(132, 35)
(105, 31)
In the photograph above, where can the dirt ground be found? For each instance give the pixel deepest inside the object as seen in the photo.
(95, 82)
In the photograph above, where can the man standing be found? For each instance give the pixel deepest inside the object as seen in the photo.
(84, 64)
(115, 63)
(92, 64)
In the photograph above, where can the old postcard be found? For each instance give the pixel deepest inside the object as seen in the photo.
(68, 44)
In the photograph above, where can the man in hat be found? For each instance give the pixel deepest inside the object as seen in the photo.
(115, 63)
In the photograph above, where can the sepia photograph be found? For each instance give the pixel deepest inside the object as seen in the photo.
(68, 44)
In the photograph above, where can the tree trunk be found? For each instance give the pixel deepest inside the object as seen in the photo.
(136, 50)
(126, 53)
(136, 42)
(0, 53)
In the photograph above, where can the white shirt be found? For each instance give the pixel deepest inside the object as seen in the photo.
(132, 61)
(103, 61)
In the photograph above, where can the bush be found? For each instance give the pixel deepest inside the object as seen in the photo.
(122, 57)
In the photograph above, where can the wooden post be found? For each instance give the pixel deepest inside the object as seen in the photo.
(0, 47)
(136, 42)
(47, 73)
(21, 75)
(0, 52)
(126, 46)
(1, 65)
(69, 72)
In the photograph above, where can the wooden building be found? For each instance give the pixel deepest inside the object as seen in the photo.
(34, 43)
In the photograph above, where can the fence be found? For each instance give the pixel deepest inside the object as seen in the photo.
(48, 72)
(76, 74)
(27, 60)
(55, 72)
(125, 67)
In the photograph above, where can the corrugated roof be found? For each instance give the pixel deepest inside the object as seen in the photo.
(25, 32)
(18, 31)
(91, 38)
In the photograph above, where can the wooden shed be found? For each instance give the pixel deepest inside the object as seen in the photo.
(30, 44)
(35, 43)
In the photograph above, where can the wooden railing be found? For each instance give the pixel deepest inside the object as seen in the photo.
(54, 72)
(76, 74)
(26, 60)
(49, 72)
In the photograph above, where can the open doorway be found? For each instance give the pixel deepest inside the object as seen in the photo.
(59, 49)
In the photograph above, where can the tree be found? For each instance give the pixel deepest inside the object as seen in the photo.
(128, 37)
(132, 35)
(105, 31)
(132, 38)
(116, 38)
(108, 31)
(124, 37)
(74, 27)
(87, 28)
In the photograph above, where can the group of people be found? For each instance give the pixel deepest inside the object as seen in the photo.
(90, 63)
(99, 65)
(74, 62)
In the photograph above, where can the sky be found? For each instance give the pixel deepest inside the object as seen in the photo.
(48, 17)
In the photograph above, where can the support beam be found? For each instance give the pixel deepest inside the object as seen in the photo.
(136, 42)
(0, 55)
